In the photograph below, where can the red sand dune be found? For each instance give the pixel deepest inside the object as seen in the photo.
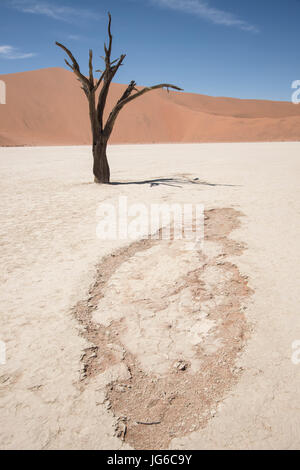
(47, 107)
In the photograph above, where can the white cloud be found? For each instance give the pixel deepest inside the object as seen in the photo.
(203, 10)
(74, 37)
(56, 12)
(10, 52)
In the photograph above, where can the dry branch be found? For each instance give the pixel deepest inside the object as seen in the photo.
(127, 98)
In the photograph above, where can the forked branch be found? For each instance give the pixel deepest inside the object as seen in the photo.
(108, 75)
(74, 67)
(127, 97)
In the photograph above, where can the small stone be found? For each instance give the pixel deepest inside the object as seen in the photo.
(181, 365)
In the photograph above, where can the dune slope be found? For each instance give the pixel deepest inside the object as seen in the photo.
(47, 107)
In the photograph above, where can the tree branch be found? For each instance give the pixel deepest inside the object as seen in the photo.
(100, 80)
(128, 91)
(108, 50)
(108, 76)
(92, 83)
(109, 34)
(127, 97)
(147, 89)
(75, 67)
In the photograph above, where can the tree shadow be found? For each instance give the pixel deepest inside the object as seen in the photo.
(175, 182)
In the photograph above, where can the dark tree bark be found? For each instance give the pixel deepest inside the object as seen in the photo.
(101, 131)
(101, 168)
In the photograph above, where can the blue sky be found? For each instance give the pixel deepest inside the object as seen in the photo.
(238, 48)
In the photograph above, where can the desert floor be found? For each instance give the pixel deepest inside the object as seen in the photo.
(95, 343)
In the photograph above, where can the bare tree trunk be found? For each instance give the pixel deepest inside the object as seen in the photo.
(101, 168)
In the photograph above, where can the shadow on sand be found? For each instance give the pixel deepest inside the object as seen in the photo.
(175, 182)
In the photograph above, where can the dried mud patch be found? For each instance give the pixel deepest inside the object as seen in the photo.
(166, 326)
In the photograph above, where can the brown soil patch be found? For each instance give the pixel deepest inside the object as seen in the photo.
(152, 408)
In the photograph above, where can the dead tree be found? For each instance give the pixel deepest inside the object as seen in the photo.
(101, 131)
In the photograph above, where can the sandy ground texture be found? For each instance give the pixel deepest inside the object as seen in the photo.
(117, 345)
